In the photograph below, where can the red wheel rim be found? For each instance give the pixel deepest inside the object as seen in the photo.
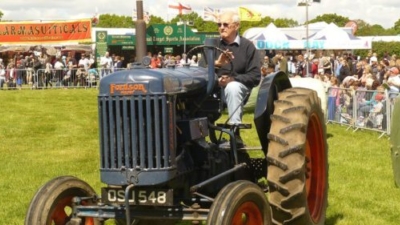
(316, 169)
(59, 215)
(247, 213)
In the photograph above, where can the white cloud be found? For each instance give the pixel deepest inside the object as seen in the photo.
(383, 12)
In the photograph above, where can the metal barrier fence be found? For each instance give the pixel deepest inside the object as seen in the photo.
(361, 109)
(54, 78)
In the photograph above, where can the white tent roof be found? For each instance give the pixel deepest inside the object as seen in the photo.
(269, 33)
(331, 32)
(329, 37)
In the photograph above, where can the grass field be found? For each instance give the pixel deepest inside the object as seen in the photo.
(49, 133)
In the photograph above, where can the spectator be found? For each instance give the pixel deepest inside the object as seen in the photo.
(29, 70)
(376, 114)
(92, 75)
(327, 66)
(393, 82)
(155, 62)
(2, 74)
(344, 70)
(10, 76)
(84, 61)
(314, 67)
(266, 60)
(183, 59)
(301, 66)
(280, 62)
(359, 70)
(246, 69)
(267, 69)
(59, 69)
(369, 100)
(117, 63)
(178, 61)
(48, 72)
(81, 75)
(333, 98)
(374, 65)
(106, 64)
(193, 61)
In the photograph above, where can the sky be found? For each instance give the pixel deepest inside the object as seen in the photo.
(382, 12)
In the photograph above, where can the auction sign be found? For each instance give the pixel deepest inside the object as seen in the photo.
(45, 32)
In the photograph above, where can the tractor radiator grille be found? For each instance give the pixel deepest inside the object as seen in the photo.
(136, 132)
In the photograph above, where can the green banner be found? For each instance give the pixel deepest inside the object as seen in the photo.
(162, 34)
(101, 45)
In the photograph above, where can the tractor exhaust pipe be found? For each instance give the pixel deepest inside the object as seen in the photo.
(141, 47)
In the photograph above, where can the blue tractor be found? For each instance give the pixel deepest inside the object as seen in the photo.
(161, 163)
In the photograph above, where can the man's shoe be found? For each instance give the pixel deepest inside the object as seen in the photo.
(227, 145)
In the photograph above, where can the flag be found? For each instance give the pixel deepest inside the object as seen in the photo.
(95, 18)
(210, 14)
(146, 16)
(246, 14)
(178, 8)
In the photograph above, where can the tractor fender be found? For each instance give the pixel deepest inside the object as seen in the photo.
(313, 84)
(395, 141)
(269, 88)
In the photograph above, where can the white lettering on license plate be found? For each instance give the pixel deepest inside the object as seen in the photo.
(141, 196)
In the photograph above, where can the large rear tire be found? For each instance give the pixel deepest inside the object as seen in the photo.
(240, 202)
(52, 203)
(298, 159)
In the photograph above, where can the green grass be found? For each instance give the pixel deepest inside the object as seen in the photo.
(49, 133)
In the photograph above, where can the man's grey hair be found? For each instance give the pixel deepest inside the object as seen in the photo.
(235, 16)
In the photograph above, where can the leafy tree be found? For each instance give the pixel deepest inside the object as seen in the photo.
(340, 21)
(283, 22)
(1, 15)
(155, 20)
(396, 26)
(115, 21)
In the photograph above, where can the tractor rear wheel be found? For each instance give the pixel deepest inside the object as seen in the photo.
(240, 202)
(52, 203)
(298, 159)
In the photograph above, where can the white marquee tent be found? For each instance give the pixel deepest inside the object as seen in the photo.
(332, 37)
(272, 37)
(329, 37)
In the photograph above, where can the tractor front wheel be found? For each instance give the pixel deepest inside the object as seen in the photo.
(240, 202)
(52, 203)
(298, 159)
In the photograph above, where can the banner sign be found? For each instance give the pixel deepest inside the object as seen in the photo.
(45, 32)
(313, 44)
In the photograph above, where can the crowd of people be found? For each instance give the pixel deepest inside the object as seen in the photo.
(346, 77)
(41, 70)
(162, 61)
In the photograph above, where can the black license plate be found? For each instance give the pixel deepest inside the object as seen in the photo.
(138, 196)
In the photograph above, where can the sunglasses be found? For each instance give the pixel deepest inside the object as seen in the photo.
(223, 24)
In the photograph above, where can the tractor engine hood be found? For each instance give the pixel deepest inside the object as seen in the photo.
(169, 81)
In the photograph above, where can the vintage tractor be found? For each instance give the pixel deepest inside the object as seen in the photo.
(161, 162)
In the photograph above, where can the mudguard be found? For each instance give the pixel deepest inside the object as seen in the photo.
(395, 141)
(268, 93)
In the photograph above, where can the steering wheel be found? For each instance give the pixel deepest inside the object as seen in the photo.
(201, 47)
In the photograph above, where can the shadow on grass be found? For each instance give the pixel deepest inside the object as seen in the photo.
(332, 220)
(329, 135)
